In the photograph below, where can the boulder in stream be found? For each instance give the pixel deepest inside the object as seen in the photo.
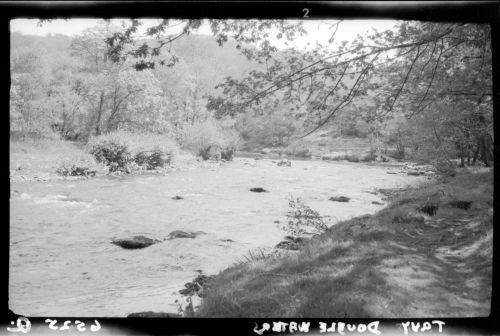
(136, 242)
(182, 234)
(177, 197)
(258, 189)
(339, 199)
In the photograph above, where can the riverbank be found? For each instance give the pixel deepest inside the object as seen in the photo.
(429, 253)
(39, 161)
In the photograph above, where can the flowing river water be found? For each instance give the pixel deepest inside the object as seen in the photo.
(63, 264)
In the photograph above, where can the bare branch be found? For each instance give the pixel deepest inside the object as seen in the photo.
(332, 90)
(377, 50)
(346, 99)
(406, 78)
(432, 78)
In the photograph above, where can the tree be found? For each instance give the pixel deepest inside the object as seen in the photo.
(419, 68)
(114, 94)
(29, 90)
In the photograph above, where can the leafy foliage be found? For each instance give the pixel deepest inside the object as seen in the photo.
(301, 216)
(113, 154)
(423, 88)
(81, 167)
(211, 140)
(124, 151)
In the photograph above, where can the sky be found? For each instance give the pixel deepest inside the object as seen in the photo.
(319, 30)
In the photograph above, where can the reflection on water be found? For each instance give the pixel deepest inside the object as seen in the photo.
(62, 262)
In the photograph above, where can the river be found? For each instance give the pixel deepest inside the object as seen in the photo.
(63, 264)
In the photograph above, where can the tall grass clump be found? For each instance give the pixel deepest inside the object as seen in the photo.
(125, 151)
(211, 140)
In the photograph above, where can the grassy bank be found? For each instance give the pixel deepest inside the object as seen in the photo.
(52, 159)
(429, 253)
(40, 159)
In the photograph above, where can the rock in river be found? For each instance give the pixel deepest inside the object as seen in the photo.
(258, 189)
(182, 234)
(136, 242)
(340, 199)
(177, 197)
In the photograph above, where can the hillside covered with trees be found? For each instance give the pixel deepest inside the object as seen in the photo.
(421, 92)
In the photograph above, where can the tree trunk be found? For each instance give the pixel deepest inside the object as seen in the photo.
(476, 154)
(484, 151)
(99, 115)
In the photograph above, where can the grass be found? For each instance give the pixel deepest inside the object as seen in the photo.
(40, 159)
(374, 266)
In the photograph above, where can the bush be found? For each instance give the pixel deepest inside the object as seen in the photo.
(113, 154)
(125, 151)
(301, 216)
(444, 167)
(81, 167)
(299, 149)
(228, 153)
(210, 140)
(152, 159)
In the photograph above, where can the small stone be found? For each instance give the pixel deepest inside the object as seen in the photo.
(177, 198)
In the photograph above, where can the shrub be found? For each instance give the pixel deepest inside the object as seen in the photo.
(444, 167)
(125, 151)
(80, 167)
(228, 153)
(210, 140)
(152, 159)
(301, 216)
(114, 155)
